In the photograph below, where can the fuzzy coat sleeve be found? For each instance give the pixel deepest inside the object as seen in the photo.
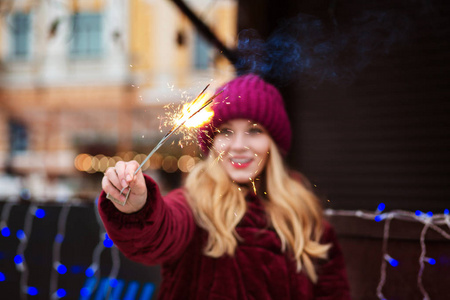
(332, 282)
(157, 233)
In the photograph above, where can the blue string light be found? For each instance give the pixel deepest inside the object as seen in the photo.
(381, 207)
(20, 234)
(62, 269)
(6, 232)
(446, 212)
(147, 291)
(88, 288)
(59, 238)
(378, 218)
(90, 272)
(2, 277)
(108, 243)
(113, 282)
(61, 293)
(85, 292)
(419, 213)
(32, 291)
(393, 262)
(40, 213)
(429, 214)
(18, 259)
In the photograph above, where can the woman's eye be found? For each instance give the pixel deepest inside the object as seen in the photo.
(225, 131)
(255, 130)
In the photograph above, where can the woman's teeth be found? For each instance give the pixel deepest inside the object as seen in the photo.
(240, 160)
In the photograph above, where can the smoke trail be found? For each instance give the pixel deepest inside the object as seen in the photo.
(304, 48)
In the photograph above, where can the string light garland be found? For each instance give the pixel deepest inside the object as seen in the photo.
(429, 220)
(19, 259)
(112, 286)
(58, 267)
(92, 271)
(4, 229)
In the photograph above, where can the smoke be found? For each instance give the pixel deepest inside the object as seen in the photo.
(304, 49)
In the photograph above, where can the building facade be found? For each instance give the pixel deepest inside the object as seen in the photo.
(85, 83)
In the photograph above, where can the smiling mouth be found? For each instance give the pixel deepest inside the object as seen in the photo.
(240, 162)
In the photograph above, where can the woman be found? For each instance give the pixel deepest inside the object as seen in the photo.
(243, 226)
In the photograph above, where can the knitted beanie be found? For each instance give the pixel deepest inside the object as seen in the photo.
(249, 97)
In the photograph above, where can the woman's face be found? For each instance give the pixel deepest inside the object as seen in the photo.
(243, 149)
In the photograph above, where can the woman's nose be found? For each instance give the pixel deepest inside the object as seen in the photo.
(238, 141)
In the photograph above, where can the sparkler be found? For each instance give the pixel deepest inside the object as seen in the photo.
(190, 112)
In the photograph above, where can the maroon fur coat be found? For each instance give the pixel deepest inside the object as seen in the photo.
(164, 232)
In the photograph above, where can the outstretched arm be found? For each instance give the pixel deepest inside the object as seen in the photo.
(158, 231)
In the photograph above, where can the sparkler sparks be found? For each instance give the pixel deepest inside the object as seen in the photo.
(188, 113)
(253, 184)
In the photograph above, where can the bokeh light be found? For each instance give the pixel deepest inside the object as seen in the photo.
(6, 232)
(61, 293)
(186, 163)
(32, 291)
(169, 164)
(40, 213)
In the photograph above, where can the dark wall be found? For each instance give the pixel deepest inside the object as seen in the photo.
(384, 136)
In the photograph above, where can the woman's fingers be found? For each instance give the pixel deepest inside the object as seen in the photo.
(120, 170)
(112, 176)
(121, 178)
(135, 181)
(111, 189)
(117, 183)
(130, 169)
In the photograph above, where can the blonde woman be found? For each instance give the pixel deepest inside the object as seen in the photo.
(243, 226)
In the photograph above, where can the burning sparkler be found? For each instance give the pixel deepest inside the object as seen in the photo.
(185, 118)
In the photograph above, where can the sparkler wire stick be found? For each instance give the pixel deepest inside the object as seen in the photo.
(168, 134)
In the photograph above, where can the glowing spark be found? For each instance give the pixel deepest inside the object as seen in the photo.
(175, 127)
(220, 156)
(190, 115)
(253, 184)
(193, 115)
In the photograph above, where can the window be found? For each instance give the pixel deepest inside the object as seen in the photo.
(18, 136)
(201, 53)
(86, 35)
(20, 35)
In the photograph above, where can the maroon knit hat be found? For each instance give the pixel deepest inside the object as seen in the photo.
(250, 97)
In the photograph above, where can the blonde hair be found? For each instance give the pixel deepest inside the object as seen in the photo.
(294, 211)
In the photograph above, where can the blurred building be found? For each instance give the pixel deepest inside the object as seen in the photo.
(84, 83)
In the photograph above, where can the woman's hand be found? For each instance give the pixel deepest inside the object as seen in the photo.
(122, 176)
